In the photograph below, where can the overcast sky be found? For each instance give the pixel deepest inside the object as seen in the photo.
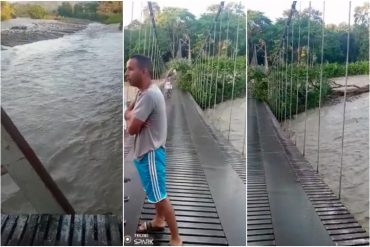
(336, 10)
(196, 7)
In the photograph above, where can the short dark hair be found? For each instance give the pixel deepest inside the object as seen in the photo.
(144, 62)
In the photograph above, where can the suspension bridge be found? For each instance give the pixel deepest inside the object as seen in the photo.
(288, 202)
(206, 175)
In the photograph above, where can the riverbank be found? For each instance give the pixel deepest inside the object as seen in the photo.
(357, 85)
(22, 31)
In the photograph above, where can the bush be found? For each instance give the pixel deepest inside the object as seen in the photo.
(37, 12)
(280, 89)
(201, 81)
(7, 12)
(111, 19)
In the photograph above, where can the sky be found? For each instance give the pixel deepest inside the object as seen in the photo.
(335, 13)
(196, 7)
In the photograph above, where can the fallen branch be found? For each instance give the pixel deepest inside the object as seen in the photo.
(351, 91)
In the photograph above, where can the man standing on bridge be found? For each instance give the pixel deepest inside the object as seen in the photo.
(146, 119)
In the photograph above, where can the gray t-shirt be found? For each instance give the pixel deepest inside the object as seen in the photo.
(150, 106)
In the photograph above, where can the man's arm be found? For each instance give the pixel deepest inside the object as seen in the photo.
(138, 117)
(134, 125)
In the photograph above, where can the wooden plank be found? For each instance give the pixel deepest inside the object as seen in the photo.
(341, 221)
(261, 237)
(260, 232)
(90, 230)
(65, 230)
(193, 240)
(102, 230)
(185, 213)
(115, 236)
(189, 195)
(19, 230)
(345, 231)
(29, 233)
(41, 230)
(350, 236)
(8, 229)
(205, 226)
(77, 230)
(336, 217)
(188, 199)
(51, 237)
(342, 226)
(258, 222)
(261, 243)
(189, 192)
(197, 232)
(199, 204)
(259, 227)
(188, 219)
(4, 218)
(185, 208)
(256, 213)
(259, 217)
(334, 212)
(362, 241)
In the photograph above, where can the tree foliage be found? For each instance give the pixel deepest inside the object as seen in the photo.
(104, 11)
(179, 31)
(262, 28)
(7, 11)
(37, 12)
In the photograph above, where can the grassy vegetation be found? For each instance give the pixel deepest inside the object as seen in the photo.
(201, 81)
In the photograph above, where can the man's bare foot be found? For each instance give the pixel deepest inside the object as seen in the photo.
(176, 241)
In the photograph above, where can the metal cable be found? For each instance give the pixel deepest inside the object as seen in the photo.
(291, 82)
(218, 62)
(344, 104)
(320, 93)
(227, 54)
(308, 63)
(233, 87)
(298, 62)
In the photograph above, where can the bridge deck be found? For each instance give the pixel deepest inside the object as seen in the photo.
(204, 182)
(304, 211)
(46, 229)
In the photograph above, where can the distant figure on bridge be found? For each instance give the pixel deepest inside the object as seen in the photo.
(168, 87)
(146, 119)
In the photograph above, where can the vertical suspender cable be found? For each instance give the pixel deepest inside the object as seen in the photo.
(344, 104)
(218, 62)
(232, 91)
(308, 61)
(213, 58)
(320, 93)
(291, 81)
(298, 62)
(227, 54)
(286, 77)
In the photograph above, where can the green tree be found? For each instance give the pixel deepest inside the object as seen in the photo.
(65, 9)
(7, 12)
(37, 12)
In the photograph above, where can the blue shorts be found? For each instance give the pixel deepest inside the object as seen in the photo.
(152, 171)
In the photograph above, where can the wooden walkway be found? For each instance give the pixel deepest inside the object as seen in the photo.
(46, 229)
(203, 216)
(300, 209)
